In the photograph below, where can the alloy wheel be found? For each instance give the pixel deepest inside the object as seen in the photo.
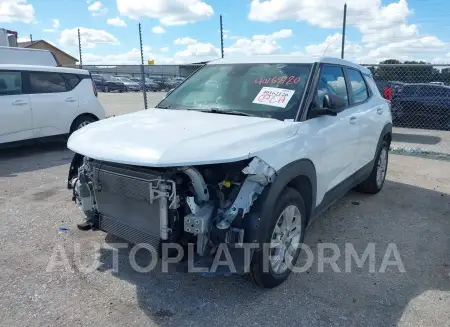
(285, 239)
(381, 167)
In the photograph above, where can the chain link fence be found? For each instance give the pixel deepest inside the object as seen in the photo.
(419, 95)
(129, 88)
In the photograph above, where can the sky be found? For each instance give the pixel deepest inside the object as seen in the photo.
(186, 31)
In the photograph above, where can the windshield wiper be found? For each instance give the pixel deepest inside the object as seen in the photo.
(164, 107)
(226, 112)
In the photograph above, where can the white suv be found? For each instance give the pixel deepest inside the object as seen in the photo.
(245, 151)
(41, 101)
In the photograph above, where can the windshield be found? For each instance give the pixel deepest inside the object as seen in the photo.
(264, 90)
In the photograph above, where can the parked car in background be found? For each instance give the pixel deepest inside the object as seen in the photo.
(150, 85)
(165, 83)
(422, 106)
(107, 83)
(129, 84)
(44, 101)
(389, 89)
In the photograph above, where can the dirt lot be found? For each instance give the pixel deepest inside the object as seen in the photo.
(412, 211)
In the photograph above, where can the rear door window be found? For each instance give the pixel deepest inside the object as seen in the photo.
(10, 83)
(41, 82)
(358, 86)
(72, 81)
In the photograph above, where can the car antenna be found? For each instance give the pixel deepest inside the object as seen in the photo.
(326, 49)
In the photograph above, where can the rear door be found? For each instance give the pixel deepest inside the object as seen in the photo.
(54, 103)
(15, 111)
(370, 111)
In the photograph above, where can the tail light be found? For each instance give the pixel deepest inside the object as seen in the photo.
(94, 88)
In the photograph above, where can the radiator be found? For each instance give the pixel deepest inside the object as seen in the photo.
(125, 205)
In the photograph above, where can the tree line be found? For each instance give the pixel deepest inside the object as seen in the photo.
(410, 72)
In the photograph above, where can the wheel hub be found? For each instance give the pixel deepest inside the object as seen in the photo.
(285, 239)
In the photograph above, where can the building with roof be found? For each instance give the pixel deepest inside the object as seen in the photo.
(64, 58)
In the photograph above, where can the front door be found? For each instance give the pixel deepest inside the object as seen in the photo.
(337, 136)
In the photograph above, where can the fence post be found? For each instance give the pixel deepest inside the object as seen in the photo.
(79, 48)
(144, 91)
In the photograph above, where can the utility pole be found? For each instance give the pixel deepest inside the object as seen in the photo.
(144, 91)
(31, 38)
(79, 48)
(344, 23)
(221, 35)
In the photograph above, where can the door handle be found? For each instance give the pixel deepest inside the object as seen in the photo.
(70, 100)
(379, 111)
(19, 102)
(353, 120)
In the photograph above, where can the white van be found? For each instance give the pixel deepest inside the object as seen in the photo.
(40, 101)
(22, 56)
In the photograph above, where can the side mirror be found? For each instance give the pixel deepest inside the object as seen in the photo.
(322, 106)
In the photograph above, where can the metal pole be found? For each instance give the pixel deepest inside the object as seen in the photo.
(221, 35)
(31, 37)
(344, 23)
(79, 48)
(144, 91)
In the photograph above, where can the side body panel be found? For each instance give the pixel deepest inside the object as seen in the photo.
(15, 118)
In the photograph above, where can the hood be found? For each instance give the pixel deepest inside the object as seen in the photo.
(161, 138)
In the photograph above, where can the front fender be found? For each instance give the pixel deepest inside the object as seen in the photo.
(257, 222)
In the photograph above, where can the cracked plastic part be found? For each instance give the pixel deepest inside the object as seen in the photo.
(259, 174)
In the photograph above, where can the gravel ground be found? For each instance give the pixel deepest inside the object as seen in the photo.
(412, 211)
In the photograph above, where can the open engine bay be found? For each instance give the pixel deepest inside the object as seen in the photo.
(204, 205)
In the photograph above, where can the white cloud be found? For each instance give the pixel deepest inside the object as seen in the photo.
(169, 12)
(426, 48)
(259, 44)
(55, 26)
(185, 41)
(16, 11)
(24, 39)
(422, 48)
(158, 30)
(197, 52)
(97, 8)
(331, 47)
(89, 37)
(164, 49)
(377, 22)
(130, 57)
(116, 22)
(385, 30)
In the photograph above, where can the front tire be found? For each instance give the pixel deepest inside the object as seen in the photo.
(287, 229)
(374, 183)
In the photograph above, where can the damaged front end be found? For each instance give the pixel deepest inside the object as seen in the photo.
(204, 205)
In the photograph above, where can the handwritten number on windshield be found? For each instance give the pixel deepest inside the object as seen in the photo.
(279, 80)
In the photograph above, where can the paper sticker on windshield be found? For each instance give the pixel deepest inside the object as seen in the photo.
(273, 96)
